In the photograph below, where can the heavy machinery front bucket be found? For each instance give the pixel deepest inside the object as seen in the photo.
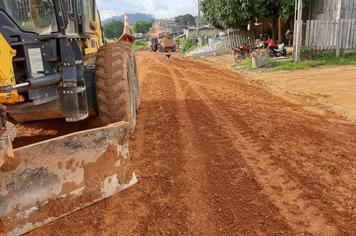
(48, 180)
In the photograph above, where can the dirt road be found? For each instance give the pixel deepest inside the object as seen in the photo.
(156, 29)
(216, 154)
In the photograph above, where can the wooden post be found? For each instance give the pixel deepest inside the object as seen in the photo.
(280, 29)
(198, 18)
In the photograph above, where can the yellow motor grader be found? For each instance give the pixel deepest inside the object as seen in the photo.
(54, 64)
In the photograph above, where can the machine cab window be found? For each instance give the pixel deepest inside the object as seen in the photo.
(89, 16)
(35, 16)
(88, 9)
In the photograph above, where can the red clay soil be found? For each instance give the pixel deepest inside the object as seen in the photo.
(216, 154)
(156, 29)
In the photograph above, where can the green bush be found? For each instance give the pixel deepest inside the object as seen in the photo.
(111, 41)
(189, 43)
(138, 44)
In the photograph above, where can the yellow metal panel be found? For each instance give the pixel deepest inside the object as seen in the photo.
(7, 75)
(98, 42)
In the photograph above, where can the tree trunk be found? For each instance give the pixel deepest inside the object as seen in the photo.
(275, 29)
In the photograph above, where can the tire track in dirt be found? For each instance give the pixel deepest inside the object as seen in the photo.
(194, 166)
(284, 192)
(322, 204)
(161, 160)
(342, 192)
(185, 87)
(200, 135)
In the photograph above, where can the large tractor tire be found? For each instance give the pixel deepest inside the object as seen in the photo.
(130, 52)
(114, 86)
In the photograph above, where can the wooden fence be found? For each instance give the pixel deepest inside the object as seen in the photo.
(236, 39)
(331, 34)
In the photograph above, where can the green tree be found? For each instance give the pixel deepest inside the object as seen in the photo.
(114, 29)
(225, 14)
(142, 26)
(186, 19)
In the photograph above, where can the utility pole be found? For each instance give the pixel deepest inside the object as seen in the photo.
(198, 17)
(298, 34)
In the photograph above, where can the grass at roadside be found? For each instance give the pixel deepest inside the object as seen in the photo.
(138, 44)
(111, 40)
(321, 59)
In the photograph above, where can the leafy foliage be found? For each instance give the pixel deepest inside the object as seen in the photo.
(186, 19)
(142, 26)
(133, 18)
(189, 43)
(224, 14)
(138, 44)
(114, 29)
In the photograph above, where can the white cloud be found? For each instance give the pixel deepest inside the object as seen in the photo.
(158, 8)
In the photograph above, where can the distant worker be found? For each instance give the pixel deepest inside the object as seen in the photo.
(289, 36)
(270, 42)
(163, 38)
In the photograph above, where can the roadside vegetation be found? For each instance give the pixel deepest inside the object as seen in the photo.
(138, 44)
(114, 29)
(188, 44)
(320, 59)
(111, 40)
(232, 14)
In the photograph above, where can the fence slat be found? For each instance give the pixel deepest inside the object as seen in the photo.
(321, 34)
(324, 32)
(339, 36)
(348, 33)
(311, 35)
(345, 35)
(354, 34)
(307, 38)
(331, 34)
(330, 37)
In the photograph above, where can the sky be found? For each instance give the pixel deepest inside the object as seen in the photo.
(161, 9)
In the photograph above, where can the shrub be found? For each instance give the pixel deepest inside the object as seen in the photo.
(189, 43)
(138, 44)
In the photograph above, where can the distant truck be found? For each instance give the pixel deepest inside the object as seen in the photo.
(167, 44)
(139, 35)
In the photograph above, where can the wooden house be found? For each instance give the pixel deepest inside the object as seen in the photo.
(331, 25)
(332, 9)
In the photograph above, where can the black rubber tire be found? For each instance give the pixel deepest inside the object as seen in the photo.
(238, 57)
(114, 86)
(131, 53)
